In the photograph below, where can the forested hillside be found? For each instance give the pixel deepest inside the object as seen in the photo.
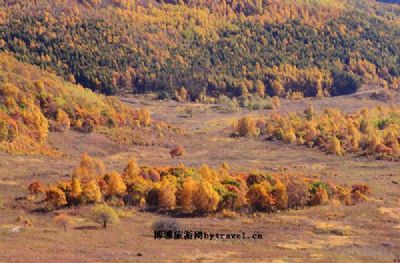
(33, 102)
(276, 48)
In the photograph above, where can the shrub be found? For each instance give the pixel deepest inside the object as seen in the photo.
(247, 127)
(359, 192)
(289, 137)
(343, 194)
(144, 117)
(55, 197)
(260, 197)
(334, 146)
(177, 151)
(228, 214)
(320, 197)
(255, 102)
(226, 105)
(298, 194)
(104, 214)
(24, 221)
(124, 213)
(166, 225)
(63, 220)
(362, 188)
(319, 193)
(36, 188)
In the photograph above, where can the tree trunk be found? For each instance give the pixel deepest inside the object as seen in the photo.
(104, 224)
(65, 228)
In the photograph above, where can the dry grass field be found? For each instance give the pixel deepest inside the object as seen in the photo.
(365, 232)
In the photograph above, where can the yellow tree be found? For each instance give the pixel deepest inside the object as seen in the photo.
(186, 194)
(104, 214)
(260, 88)
(205, 198)
(280, 194)
(76, 188)
(91, 192)
(89, 168)
(116, 185)
(277, 88)
(166, 196)
(131, 171)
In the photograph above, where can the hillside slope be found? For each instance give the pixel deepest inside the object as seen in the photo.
(310, 48)
(33, 102)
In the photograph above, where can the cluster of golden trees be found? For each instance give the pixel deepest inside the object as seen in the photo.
(373, 131)
(191, 190)
(33, 102)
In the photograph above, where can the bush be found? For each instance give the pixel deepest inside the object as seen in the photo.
(334, 146)
(36, 188)
(255, 102)
(227, 105)
(177, 151)
(228, 214)
(320, 197)
(260, 197)
(166, 225)
(55, 198)
(247, 127)
(104, 214)
(298, 194)
(63, 220)
(319, 193)
(24, 221)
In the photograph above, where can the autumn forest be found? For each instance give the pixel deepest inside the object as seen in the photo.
(271, 126)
